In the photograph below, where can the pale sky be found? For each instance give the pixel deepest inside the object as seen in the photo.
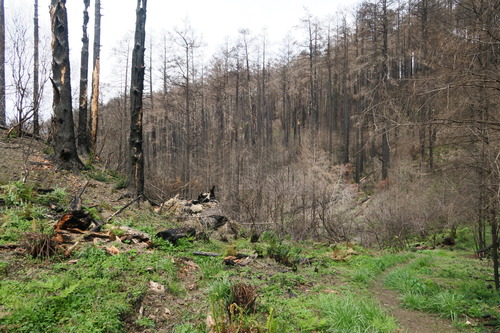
(214, 20)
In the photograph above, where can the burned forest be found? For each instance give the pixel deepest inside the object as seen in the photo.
(237, 179)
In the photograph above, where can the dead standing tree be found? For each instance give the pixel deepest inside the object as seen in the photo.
(94, 101)
(136, 91)
(83, 133)
(63, 135)
(2, 64)
(36, 67)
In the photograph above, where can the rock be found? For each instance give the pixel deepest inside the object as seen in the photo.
(213, 222)
(195, 209)
(155, 287)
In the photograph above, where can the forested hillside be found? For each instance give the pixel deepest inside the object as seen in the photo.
(349, 178)
(379, 126)
(403, 95)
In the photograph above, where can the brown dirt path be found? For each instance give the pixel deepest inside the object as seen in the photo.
(410, 321)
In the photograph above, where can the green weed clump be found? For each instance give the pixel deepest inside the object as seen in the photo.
(233, 309)
(25, 210)
(352, 313)
(16, 193)
(281, 251)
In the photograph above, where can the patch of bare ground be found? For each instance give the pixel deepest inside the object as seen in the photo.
(410, 321)
(28, 160)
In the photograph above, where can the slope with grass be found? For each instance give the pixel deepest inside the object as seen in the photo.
(285, 287)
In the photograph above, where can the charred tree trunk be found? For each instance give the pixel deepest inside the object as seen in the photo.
(36, 63)
(345, 94)
(63, 135)
(2, 64)
(83, 133)
(136, 91)
(386, 156)
(94, 102)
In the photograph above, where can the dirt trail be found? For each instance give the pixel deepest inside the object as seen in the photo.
(409, 320)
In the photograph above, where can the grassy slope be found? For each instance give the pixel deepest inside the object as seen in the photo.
(93, 291)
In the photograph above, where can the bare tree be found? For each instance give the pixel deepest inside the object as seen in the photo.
(94, 101)
(36, 69)
(83, 133)
(20, 65)
(63, 134)
(136, 92)
(187, 42)
(2, 64)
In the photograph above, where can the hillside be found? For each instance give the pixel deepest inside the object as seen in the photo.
(223, 280)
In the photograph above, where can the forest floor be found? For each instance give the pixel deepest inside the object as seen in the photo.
(284, 286)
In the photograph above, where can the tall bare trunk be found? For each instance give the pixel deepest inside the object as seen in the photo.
(2, 64)
(94, 102)
(136, 92)
(83, 133)
(63, 135)
(36, 89)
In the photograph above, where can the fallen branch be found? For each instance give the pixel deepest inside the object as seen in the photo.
(122, 209)
(9, 247)
(76, 202)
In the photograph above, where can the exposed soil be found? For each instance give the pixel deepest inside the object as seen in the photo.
(411, 321)
(25, 159)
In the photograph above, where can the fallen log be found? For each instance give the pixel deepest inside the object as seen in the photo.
(207, 254)
(174, 234)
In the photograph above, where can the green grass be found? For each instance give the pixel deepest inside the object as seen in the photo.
(90, 296)
(452, 286)
(352, 313)
(97, 292)
(367, 267)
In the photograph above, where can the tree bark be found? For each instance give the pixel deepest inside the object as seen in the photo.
(83, 133)
(94, 101)
(2, 64)
(36, 64)
(136, 92)
(63, 134)
(345, 94)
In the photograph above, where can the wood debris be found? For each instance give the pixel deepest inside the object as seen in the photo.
(77, 226)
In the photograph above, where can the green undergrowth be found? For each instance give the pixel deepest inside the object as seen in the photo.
(26, 210)
(91, 295)
(449, 284)
(287, 286)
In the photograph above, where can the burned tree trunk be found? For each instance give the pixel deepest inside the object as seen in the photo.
(3, 119)
(94, 101)
(36, 86)
(63, 135)
(136, 91)
(83, 133)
